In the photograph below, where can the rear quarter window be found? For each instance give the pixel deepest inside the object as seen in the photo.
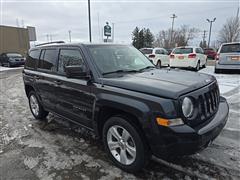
(32, 58)
(48, 60)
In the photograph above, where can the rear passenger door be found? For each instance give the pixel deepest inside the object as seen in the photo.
(46, 77)
(74, 98)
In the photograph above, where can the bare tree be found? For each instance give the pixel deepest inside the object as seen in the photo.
(230, 31)
(180, 37)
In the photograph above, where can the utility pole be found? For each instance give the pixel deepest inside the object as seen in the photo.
(210, 30)
(47, 38)
(113, 32)
(204, 37)
(89, 21)
(173, 17)
(99, 33)
(69, 34)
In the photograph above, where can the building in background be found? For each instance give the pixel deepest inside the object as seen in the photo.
(16, 39)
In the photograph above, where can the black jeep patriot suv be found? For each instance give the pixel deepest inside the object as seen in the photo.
(135, 108)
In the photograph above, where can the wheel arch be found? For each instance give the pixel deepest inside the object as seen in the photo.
(134, 111)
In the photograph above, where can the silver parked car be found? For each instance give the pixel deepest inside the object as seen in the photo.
(228, 57)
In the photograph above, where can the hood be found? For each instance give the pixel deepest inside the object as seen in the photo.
(161, 82)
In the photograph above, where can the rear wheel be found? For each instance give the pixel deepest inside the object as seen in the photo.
(217, 71)
(124, 144)
(198, 66)
(35, 106)
(159, 65)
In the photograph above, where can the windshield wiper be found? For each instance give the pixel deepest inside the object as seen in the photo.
(120, 71)
(148, 67)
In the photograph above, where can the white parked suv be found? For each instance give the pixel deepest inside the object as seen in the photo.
(159, 56)
(188, 57)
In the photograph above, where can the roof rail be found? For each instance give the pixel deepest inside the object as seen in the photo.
(54, 42)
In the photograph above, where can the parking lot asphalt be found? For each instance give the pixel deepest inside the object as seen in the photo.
(56, 149)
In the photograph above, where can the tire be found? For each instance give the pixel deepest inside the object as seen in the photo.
(8, 64)
(217, 71)
(135, 143)
(36, 108)
(159, 64)
(197, 67)
(204, 66)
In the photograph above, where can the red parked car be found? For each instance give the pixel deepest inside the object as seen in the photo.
(210, 52)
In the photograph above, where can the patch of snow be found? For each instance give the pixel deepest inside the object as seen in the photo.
(7, 68)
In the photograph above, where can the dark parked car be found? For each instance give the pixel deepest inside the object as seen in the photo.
(11, 59)
(135, 108)
(228, 57)
(210, 52)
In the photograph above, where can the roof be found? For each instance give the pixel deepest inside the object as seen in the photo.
(54, 44)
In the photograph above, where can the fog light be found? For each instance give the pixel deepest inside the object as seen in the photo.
(169, 122)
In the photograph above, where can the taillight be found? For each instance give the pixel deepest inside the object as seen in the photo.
(151, 56)
(217, 57)
(192, 55)
(172, 56)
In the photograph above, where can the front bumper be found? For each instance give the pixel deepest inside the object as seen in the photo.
(185, 140)
(17, 63)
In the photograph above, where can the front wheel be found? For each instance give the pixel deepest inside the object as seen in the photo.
(8, 64)
(124, 144)
(35, 106)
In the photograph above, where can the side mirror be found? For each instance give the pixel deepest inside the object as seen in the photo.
(77, 72)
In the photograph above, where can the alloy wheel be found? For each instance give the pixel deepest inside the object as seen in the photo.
(34, 105)
(121, 145)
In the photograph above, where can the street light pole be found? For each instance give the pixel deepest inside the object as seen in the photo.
(89, 22)
(210, 30)
(69, 34)
(173, 17)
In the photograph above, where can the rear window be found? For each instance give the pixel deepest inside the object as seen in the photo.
(14, 55)
(146, 51)
(32, 59)
(183, 51)
(230, 48)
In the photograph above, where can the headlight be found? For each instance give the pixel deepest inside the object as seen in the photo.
(187, 107)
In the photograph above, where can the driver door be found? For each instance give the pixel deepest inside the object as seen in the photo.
(74, 98)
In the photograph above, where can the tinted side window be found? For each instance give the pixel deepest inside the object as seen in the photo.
(69, 57)
(48, 60)
(158, 51)
(32, 59)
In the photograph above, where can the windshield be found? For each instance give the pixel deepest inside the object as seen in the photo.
(14, 55)
(182, 51)
(111, 58)
(230, 48)
(146, 51)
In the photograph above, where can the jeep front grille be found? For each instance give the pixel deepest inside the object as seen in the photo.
(208, 102)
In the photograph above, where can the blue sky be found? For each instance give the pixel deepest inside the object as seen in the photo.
(57, 17)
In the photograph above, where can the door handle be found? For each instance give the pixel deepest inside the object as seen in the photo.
(58, 82)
